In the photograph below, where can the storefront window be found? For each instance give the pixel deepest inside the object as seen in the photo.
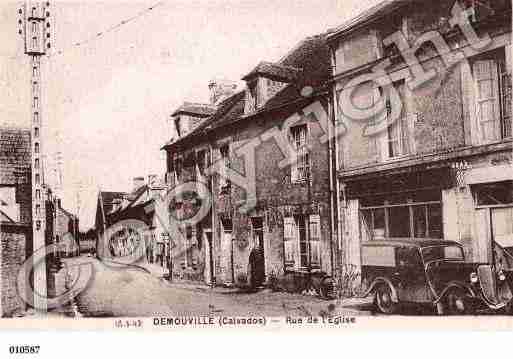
(493, 194)
(399, 219)
(404, 218)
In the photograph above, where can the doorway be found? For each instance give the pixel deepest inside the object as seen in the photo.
(256, 268)
(209, 259)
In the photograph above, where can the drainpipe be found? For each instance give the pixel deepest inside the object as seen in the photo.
(332, 205)
(213, 218)
(336, 211)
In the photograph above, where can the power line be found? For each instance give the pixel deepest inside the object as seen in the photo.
(110, 29)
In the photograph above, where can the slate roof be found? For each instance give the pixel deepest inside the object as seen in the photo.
(287, 73)
(67, 213)
(311, 56)
(375, 12)
(109, 198)
(201, 109)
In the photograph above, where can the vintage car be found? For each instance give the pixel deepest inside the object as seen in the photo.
(432, 272)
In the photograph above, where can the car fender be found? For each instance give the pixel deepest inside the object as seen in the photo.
(382, 280)
(452, 285)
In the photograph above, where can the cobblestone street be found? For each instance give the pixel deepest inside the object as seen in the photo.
(110, 290)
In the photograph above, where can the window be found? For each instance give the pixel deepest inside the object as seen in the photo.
(38, 194)
(201, 161)
(36, 163)
(35, 72)
(36, 147)
(224, 152)
(300, 168)
(36, 102)
(315, 241)
(34, 42)
(416, 217)
(398, 134)
(34, 27)
(252, 90)
(302, 238)
(257, 226)
(37, 179)
(178, 127)
(38, 210)
(35, 87)
(492, 88)
(178, 167)
(36, 117)
(36, 132)
(493, 194)
(34, 12)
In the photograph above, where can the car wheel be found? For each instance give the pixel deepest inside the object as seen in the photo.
(383, 300)
(456, 303)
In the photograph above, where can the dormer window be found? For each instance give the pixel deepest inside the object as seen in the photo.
(265, 81)
(252, 89)
(178, 127)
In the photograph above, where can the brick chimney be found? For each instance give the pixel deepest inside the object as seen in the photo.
(220, 90)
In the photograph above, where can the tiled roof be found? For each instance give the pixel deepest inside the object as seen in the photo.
(377, 11)
(201, 109)
(288, 73)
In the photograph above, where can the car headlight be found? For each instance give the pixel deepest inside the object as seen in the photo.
(502, 276)
(473, 277)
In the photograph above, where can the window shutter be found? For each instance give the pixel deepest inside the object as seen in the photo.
(315, 241)
(289, 238)
(487, 99)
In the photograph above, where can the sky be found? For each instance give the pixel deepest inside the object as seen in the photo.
(106, 103)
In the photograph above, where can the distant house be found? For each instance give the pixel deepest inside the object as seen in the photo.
(66, 231)
(119, 208)
(106, 202)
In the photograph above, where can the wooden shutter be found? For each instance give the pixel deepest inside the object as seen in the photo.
(487, 100)
(290, 245)
(315, 241)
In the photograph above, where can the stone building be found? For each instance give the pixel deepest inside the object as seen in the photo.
(15, 215)
(431, 155)
(263, 155)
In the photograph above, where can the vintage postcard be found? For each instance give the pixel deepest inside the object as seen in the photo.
(172, 165)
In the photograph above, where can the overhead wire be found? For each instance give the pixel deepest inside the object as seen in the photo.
(109, 29)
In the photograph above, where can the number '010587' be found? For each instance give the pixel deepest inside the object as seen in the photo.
(24, 349)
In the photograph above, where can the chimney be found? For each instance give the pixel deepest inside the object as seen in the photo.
(220, 90)
(138, 182)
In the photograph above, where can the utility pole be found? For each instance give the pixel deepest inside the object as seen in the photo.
(77, 230)
(34, 28)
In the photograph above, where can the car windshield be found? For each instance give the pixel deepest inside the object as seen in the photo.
(442, 253)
